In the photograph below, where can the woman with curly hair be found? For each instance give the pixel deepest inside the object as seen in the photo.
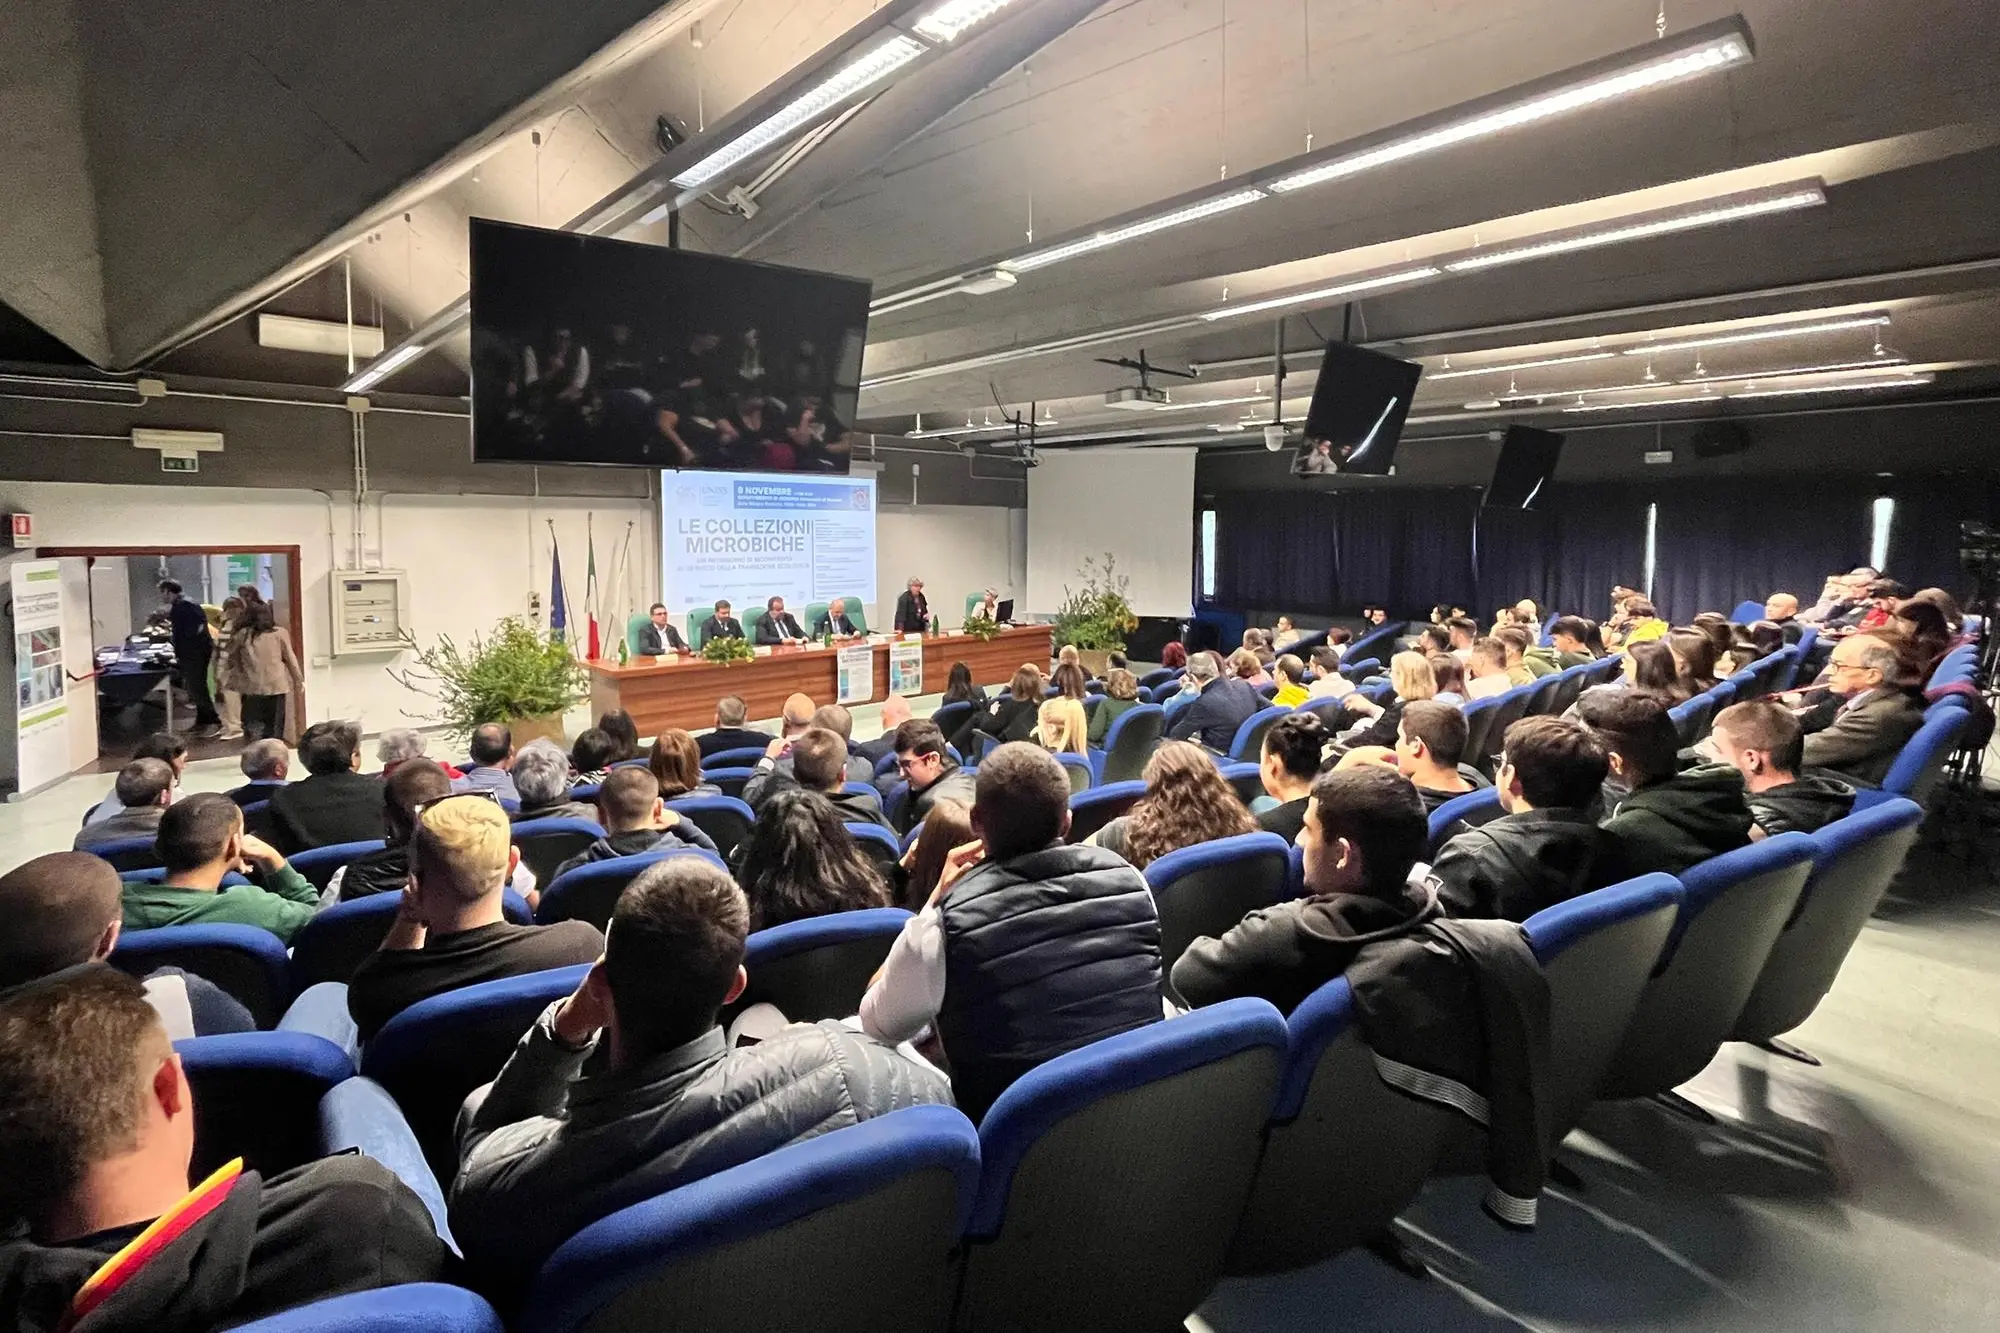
(800, 861)
(1186, 802)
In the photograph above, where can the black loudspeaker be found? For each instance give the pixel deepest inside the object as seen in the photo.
(1718, 439)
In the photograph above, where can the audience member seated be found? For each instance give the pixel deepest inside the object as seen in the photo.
(541, 777)
(730, 732)
(623, 731)
(720, 625)
(1010, 717)
(1663, 818)
(334, 803)
(1337, 639)
(97, 1130)
(1031, 947)
(800, 861)
(1843, 597)
(1174, 656)
(1644, 624)
(1651, 668)
(1061, 727)
(1921, 635)
(200, 840)
(776, 765)
(1248, 668)
(1721, 637)
(1290, 673)
(63, 910)
(399, 746)
(1070, 681)
(1187, 801)
(1328, 683)
(449, 929)
(1410, 677)
(1430, 750)
(836, 719)
(895, 712)
(959, 689)
(1121, 695)
(658, 637)
(1782, 610)
(636, 820)
(947, 828)
(1486, 670)
(1954, 618)
(1464, 632)
(561, 1139)
(1694, 662)
(590, 757)
(1514, 644)
(1363, 840)
(1547, 848)
(1069, 655)
(1861, 736)
(1571, 637)
(1449, 673)
(1750, 643)
(1293, 749)
(266, 763)
(675, 763)
(169, 750)
(817, 762)
(140, 796)
(1762, 741)
(1284, 635)
(414, 785)
(1883, 596)
(1223, 705)
(933, 775)
(492, 752)
(1257, 643)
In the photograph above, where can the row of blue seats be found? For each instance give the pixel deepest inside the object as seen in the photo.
(1270, 1143)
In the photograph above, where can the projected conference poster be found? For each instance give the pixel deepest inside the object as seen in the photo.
(745, 537)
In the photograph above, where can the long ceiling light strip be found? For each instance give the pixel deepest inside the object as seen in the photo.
(1709, 215)
(948, 20)
(851, 79)
(1433, 376)
(1873, 320)
(1719, 52)
(1884, 362)
(1899, 382)
(1400, 276)
(1207, 208)
(1649, 402)
(382, 369)
(1753, 391)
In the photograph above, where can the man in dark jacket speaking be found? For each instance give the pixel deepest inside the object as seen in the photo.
(1029, 947)
(1546, 848)
(549, 1147)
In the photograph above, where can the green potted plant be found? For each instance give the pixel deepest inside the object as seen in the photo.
(517, 675)
(1095, 617)
(981, 627)
(725, 651)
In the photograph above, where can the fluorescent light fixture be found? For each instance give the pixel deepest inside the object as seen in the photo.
(859, 74)
(1884, 362)
(1533, 395)
(953, 17)
(1848, 386)
(182, 442)
(1713, 213)
(291, 334)
(1207, 208)
(1868, 321)
(382, 369)
(1648, 402)
(1432, 376)
(1718, 51)
(1416, 274)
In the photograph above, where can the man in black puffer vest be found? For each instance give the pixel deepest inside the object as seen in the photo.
(415, 783)
(1029, 948)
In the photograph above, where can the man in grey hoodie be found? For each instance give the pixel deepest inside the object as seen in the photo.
(1763, 742)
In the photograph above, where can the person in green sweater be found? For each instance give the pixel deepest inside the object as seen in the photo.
(201, 839)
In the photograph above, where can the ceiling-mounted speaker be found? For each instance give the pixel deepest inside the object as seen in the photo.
(1718, 439)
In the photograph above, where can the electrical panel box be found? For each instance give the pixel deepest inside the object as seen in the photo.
(370, 610)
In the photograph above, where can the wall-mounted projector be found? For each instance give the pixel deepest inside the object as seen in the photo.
(1143, 398)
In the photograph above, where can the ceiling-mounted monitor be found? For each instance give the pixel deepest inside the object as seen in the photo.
(1357, 412)
(591, 350)
(1527, 465)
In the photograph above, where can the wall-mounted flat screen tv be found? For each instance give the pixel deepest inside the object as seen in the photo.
(1357, 412)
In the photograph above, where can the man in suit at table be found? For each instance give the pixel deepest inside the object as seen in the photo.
(913, 612)
(777, 625)
(834, 621)
(659, 637)
(721, 625)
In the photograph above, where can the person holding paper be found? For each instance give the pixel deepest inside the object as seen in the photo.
(778, 625)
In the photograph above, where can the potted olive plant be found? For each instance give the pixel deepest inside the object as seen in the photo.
(518, 675)
(1095, 617)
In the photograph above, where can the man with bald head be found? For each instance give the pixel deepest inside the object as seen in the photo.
(895, 712)
(834, 621)
(1782, 610)
(450, 930)
(777, 760)
(63, 911)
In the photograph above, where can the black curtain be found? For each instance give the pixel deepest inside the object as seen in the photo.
(1276, 549)
(1567, 554)
(1722, 542)
(1405, 549)
(1923, 535)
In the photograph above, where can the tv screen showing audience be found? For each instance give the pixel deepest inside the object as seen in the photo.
(1357, 413)
(591, 350)
(1527, 464)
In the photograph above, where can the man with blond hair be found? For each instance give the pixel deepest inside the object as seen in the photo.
(449, 929)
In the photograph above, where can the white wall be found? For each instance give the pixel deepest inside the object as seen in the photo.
(955, 549)
(110, 602)
(471, 560)
(1137, 504)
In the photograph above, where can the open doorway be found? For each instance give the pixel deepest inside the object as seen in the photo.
(140, 689)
